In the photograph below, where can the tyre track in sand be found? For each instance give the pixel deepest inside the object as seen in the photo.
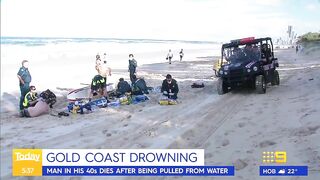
(208, 124)
(223, 110)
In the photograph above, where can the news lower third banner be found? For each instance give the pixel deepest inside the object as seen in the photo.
(114, 162)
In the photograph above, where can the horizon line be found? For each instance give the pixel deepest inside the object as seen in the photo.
(42, 37)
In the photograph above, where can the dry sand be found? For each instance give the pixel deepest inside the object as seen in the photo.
(234, 129)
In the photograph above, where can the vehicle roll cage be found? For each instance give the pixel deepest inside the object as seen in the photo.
(247, 41)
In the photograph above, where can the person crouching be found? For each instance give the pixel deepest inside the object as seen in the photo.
(98, 87)
(30, 99)
(123, 87)
(170, 87)
(139, 87)
(45, 102)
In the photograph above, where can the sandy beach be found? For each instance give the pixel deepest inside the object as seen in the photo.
(233, 129)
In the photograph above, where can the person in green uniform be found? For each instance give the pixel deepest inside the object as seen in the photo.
(24, 77)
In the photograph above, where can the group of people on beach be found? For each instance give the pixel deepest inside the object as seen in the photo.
(138, 85)
(29, 98)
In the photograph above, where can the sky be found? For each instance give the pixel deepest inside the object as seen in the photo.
(208, 20)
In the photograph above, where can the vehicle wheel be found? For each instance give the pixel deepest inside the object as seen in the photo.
(252, 84)
(275, 79)
(221, 87)
(261, 84)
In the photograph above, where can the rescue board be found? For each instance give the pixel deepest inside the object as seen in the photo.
(84, 93)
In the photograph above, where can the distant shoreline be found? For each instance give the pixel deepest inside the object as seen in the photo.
(10, 39)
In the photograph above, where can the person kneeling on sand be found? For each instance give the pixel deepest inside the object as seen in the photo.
(139, 87)
(45, 102)
(123, 87)
(170, 87)
(30, 99)
(98, 87)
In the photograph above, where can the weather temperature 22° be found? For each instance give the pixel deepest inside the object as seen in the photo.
(283, 170)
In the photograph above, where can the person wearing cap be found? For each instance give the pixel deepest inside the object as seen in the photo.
(123, 87)
(170, 87)
(30, 99)
(24, 77)
(132, 67)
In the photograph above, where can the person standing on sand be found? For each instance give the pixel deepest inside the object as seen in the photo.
(104, 57)
(169, 56)
(102, 68)
(103, 71)
(132, 67)
(181, 54)
(24, 77)
(98, 61)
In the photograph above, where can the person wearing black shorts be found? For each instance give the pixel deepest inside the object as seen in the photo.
(169, 56)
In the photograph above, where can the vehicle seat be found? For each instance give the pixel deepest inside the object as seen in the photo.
(266, 54)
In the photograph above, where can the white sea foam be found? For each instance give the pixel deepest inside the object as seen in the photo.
(69, 63)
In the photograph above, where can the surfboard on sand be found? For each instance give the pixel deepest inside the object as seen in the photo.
(84, 93)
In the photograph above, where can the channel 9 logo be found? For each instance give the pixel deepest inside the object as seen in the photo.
(274, 157)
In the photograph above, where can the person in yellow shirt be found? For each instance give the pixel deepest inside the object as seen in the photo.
(30, 98)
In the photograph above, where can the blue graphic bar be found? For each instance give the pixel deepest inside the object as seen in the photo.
(283, 170)
(138, 170)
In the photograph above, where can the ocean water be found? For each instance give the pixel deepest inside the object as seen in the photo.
(38, 41)
(76, 50)
(67, 62)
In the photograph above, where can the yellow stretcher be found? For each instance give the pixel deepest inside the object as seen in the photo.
(167, 102)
